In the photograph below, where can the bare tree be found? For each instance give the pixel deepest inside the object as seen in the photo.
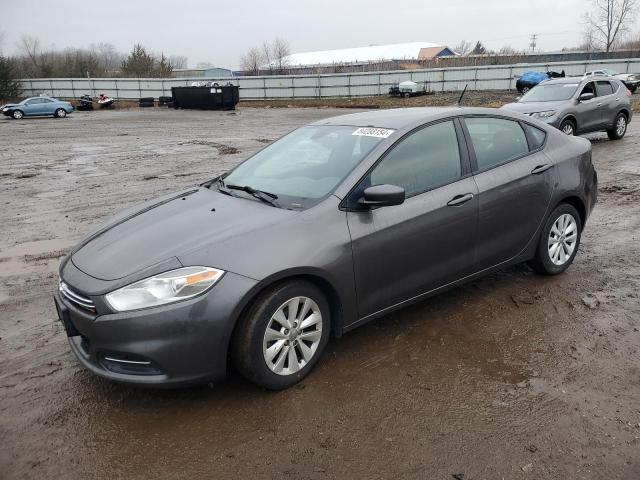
(609, 20)
(266, 55)
(253, 61)
(178, 61)
(109, 58)
(37, 58)
(280, 51)
(507, 50)
(463, 48)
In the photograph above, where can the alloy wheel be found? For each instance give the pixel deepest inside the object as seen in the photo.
(621, 125)
(562, 239)
(292, 336)
(567, 128)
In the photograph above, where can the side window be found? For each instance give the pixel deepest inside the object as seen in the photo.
(589, 88)
(47, 100)
(604, 88)
(496, 140)
(426, 159)
(536, 136)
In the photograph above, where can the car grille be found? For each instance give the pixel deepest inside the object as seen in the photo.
(79, 300)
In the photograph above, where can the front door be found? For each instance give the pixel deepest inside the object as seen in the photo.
(589, 112)
(403, 251)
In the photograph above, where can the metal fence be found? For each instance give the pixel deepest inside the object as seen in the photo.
(500, 77)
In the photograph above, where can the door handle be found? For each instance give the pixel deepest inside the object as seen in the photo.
(598, 105)
(460, 199)
(541, 168)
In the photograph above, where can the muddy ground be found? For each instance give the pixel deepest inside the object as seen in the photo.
(512, 376)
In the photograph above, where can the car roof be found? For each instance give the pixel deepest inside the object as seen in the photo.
(564, 80)
(398, 118)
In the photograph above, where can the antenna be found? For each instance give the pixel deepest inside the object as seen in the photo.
(462, 94)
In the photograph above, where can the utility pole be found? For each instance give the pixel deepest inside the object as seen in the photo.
(534, 38)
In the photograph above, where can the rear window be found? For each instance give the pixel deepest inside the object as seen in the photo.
(496, 140)
(604, 88)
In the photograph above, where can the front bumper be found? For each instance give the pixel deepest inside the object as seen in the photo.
(180, 344)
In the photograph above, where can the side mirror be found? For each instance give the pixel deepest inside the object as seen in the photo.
(586, 96)
(382, 196)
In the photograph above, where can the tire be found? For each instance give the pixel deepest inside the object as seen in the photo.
(550, 260)
(147, 100)
(406, 94)
(525, 90)
(17, 114)
(146, 104)
(60, 113)
(251, 349)
(568, 127)
(619, 127)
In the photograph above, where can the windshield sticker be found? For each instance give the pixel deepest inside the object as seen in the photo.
(373, 132)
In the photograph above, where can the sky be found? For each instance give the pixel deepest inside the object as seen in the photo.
(220, 32)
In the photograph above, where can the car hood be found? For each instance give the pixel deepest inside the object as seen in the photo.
(532, 107)
(9, 105)
(164, 229)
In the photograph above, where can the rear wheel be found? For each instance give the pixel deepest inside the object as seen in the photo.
(17, 114)
(559, 241)
(525, 90)
(61, 113)
(282, 335)
(619, 127)
(568, 127)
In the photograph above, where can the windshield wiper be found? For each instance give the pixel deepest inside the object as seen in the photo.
(261, 195)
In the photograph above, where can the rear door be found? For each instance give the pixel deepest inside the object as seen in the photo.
(515, 182)
(588, 111)
(402, 251)
(609, 96)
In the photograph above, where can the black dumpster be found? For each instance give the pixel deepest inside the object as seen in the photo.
(216, 97)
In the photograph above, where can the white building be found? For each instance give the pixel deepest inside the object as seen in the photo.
(371, 54)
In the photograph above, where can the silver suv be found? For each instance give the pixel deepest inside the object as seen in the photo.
(579, 105)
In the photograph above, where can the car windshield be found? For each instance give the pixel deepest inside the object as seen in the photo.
(306, 165)
(610, 72)
(550, 93)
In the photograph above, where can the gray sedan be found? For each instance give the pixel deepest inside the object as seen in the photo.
(335, 224)
(577, 105)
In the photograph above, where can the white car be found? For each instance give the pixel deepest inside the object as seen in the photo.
(630, 80)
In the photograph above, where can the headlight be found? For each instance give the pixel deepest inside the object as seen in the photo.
(547, 114)
(5, 109)
(167, 287)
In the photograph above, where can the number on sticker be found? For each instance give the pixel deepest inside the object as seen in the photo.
(373, 132)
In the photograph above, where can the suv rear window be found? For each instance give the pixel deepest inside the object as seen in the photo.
(604, 88)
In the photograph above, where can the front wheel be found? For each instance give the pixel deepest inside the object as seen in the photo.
(559, 241)
(282, 335)
(568, 127)
(17, 114)
(61, 113)
(619, 127)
